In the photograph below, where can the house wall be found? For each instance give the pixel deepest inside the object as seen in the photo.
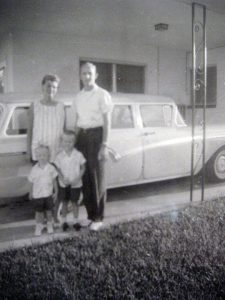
(6, 60)
(30, 55)
(215, 57)
(172, 76)
(36, 54)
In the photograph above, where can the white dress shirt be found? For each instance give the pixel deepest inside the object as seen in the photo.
(90, 106)
(42, 179)
(70, 166)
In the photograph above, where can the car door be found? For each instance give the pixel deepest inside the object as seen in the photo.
(125, 162)
(14, 164)
(167, 147)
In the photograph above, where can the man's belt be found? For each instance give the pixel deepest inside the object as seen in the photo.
(87, 130)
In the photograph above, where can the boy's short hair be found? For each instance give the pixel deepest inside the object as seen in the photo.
(39, 147)
(90, 65)
(69, 133)
(50, 77)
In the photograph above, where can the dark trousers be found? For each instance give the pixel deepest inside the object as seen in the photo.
(89, 142)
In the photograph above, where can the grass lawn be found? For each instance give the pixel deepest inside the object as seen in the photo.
(172, 256)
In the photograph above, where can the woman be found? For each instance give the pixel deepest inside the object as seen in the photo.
(46, 119)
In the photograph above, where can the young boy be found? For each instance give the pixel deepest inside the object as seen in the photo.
(43, 189)
(71, 166)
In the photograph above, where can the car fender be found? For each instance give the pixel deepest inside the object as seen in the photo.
(213, 144)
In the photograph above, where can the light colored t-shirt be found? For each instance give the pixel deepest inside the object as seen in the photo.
(42, 179)
(89, 107)
(47, 127)
(70, 167)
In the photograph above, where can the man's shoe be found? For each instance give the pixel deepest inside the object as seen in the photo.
(77, 226)
(95, 226)
(65, 226)
(57, 224)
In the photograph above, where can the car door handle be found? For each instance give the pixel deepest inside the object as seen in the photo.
(148, 133)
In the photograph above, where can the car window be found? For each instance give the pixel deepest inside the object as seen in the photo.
(154, 115)
(1, 111)
(122, 117)
(179, 120)
(19, 121)
(168, 114)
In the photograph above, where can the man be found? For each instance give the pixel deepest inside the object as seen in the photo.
(91, 108)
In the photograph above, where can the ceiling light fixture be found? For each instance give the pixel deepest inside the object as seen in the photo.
(161, 27)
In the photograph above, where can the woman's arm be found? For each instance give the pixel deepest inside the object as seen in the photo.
(64, 126)
(74, 118)
(30, 130)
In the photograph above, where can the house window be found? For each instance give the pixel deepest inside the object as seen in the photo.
(211, 87)
(2, 73)
(115, 77)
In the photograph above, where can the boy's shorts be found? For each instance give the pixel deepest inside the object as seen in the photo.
(68, 193)
(43, 204)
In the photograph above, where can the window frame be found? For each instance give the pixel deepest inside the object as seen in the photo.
(114, 70)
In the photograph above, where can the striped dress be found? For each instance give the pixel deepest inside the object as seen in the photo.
(48, 126)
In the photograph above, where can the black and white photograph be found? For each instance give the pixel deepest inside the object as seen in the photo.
(112, 149)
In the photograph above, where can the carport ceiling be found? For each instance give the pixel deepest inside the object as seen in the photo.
(125, 21)
(214, 5)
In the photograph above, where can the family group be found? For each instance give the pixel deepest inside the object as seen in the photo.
(69, 162)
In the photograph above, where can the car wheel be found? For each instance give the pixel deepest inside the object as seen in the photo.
(215, 169)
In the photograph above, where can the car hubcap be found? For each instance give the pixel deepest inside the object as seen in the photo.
(220, 166)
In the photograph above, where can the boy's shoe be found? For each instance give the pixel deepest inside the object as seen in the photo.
(50, 227)
(95, 226)
(65, 226)
(38, 229)
(77, 226)
(57, 224)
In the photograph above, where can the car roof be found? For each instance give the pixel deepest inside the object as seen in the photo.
(68, 98)
(140, 98)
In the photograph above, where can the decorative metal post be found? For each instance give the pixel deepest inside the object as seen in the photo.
(199, 84)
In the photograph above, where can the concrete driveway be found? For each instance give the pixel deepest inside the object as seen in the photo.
(124, 204)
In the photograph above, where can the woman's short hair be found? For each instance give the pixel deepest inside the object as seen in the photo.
(50, 77)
